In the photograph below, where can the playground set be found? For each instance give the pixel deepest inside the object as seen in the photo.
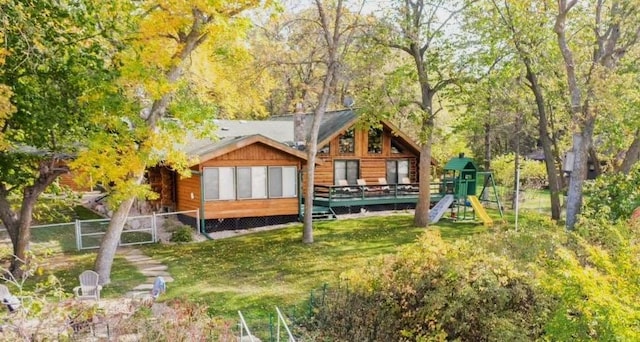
(459, 190)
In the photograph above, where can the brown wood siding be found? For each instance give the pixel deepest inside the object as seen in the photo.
(256, 154)
(251, 208)
(186, 187)
(67, 179)
(372, 166)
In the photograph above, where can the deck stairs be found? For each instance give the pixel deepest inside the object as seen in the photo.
(321, 213)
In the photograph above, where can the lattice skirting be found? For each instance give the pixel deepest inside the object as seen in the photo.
(216, 225)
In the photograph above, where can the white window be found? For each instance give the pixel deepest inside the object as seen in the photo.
(246, 182)
(283, 181)
(219, 183)
(252, 182)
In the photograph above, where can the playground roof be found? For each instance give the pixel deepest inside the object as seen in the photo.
(460, 164)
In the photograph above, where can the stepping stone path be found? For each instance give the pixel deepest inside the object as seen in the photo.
(147, 266)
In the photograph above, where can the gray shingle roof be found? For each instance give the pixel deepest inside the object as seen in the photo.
(281, 131)
(331, 122)
(277, 128)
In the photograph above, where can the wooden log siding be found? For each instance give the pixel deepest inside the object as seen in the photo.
(252, 155)
(372, 165)
(161, 180)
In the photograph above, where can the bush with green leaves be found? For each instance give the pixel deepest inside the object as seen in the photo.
(539, 283)
(436, 291)
(182, 234)
(596, 278)
(611, 197)
(533, 173)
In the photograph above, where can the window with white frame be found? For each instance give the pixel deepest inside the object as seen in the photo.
(283, 181)
(249, 182)
(219, 183)
(252, 182)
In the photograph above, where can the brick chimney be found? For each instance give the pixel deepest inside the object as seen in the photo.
(299, 135)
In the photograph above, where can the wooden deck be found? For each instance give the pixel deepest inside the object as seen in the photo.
(358, 195)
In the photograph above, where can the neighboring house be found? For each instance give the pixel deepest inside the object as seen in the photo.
(251, 176)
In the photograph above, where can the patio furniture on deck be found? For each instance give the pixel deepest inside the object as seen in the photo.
(384, 186)
(406, 185)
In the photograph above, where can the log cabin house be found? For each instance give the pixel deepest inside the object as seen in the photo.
(253, 175)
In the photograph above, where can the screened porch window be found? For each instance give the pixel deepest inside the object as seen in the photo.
(252, 182)
(219, 183)
(348, 170)
(283, 181)
(397, 170)
(249, 182)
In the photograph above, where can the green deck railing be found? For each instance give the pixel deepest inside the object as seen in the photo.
(354, 195)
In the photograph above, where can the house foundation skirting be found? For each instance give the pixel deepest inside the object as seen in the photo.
(217, 225)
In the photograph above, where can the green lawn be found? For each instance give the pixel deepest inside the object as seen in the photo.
(255, 272)
(252, 273)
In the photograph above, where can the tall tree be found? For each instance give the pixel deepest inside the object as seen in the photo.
(523, 27)
(155, 71)
(335, 29)
(590, 60)
(55, 53)
(419, 29)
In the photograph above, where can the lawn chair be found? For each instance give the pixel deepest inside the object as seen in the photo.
(383, 184)
(363, 184)
(345, 186)
(89, 288)
(406, 185)
(12, 302)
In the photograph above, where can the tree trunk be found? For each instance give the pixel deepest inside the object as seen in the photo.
(487, 153)
(632, 155)
(581, 145)
(545, 140)
(18, 225)
(111, 239)
(516, 164)
(421, 217)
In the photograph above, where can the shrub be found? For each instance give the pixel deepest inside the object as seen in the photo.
(595, 276)
(533, 174)
(182, 234)
(612, 196)
(436, 291)
(171, 225)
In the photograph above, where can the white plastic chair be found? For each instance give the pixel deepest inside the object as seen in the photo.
(89, 286)
(12, 302)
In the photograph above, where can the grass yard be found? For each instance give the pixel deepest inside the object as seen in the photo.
(255, 272)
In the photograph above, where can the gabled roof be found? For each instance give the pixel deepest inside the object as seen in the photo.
(278, 132)
(461, 163)
(206, 149)
(333, 123)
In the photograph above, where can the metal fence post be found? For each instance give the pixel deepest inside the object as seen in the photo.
(198, 222)
(154, 227)
(78, 235)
